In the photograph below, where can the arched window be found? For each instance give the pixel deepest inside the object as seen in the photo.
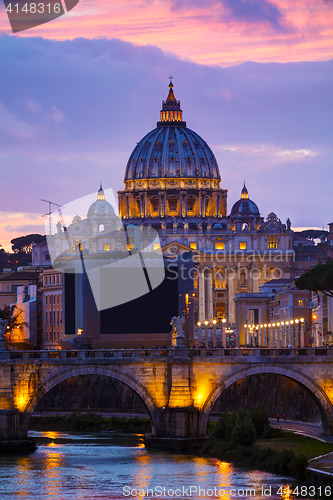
(173, 204)
(219, 278)
(243, 279)
(101, 228)
(154, 204)
(273, 273)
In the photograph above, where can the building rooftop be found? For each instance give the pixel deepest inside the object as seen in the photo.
(20, 275)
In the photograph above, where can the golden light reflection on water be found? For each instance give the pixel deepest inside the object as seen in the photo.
(51, 434)
(144, 475)
(225, 473)
(287, 492)
(200, 464)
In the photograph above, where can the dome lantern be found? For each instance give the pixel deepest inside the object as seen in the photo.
(171, 112)
(100, 194)
(245, 193)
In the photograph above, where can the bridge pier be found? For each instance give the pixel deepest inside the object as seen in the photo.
(12, 425)
(175, 428)
(13, 433)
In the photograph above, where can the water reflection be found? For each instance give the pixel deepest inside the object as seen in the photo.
(287, 492)
(225, 471)
(70, 466)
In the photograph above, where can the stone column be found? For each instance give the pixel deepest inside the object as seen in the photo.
(141, 205)
(209, 314)
(160, 204)
(224, 336)
(302, 335)
(278, 337)
(127, 206)
(185, 199)
(231, 294)
(201, 284)
(145, 211)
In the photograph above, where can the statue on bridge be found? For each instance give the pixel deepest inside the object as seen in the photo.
(2, 335)
(177, 333)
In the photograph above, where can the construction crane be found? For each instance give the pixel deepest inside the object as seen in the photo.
(49, 214)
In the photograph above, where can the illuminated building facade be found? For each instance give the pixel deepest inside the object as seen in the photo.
(173, 184)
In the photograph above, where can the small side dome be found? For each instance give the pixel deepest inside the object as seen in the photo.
(101, 207)
(217, 226)
(244, 206)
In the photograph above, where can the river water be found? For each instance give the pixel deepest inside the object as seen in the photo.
(71, 466)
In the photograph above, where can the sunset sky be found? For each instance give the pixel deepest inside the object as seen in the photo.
(255, 80)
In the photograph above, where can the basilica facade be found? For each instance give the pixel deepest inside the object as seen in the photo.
(173, 184)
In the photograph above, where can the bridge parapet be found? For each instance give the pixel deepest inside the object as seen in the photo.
(224, 355)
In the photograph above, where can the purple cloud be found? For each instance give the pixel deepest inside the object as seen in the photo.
(252, 11)
(72, 112)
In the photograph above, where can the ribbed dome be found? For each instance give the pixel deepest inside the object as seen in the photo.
(101, 207)
(172, 149)
(244, 206)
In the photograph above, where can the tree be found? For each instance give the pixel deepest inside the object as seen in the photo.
(318, 279)
(243, 432)
(13, 318)
(24, 244)
(312, 233)
(224, 425)
(259, 418)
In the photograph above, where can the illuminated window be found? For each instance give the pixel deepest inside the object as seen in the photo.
(130, 245)
(190, 205)
(154, 204)
(101, 228)
(219, 245)
(272, 242)
(242, 245)
(107, 247)
(219, 278)
(300, 302)
(157, 246)
(173, 204)
(195, 281)
(193, 245)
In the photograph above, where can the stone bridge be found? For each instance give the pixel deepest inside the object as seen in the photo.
(178, 386)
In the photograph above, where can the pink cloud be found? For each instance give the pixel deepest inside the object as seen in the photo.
(213, 32)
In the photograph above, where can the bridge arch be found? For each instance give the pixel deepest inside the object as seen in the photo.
(108, 371)
(318, 395)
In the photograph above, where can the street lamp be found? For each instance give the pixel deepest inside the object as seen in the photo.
(214, 332)
(80, 332)
(199, 330)
(224, 335)
(206, 334)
